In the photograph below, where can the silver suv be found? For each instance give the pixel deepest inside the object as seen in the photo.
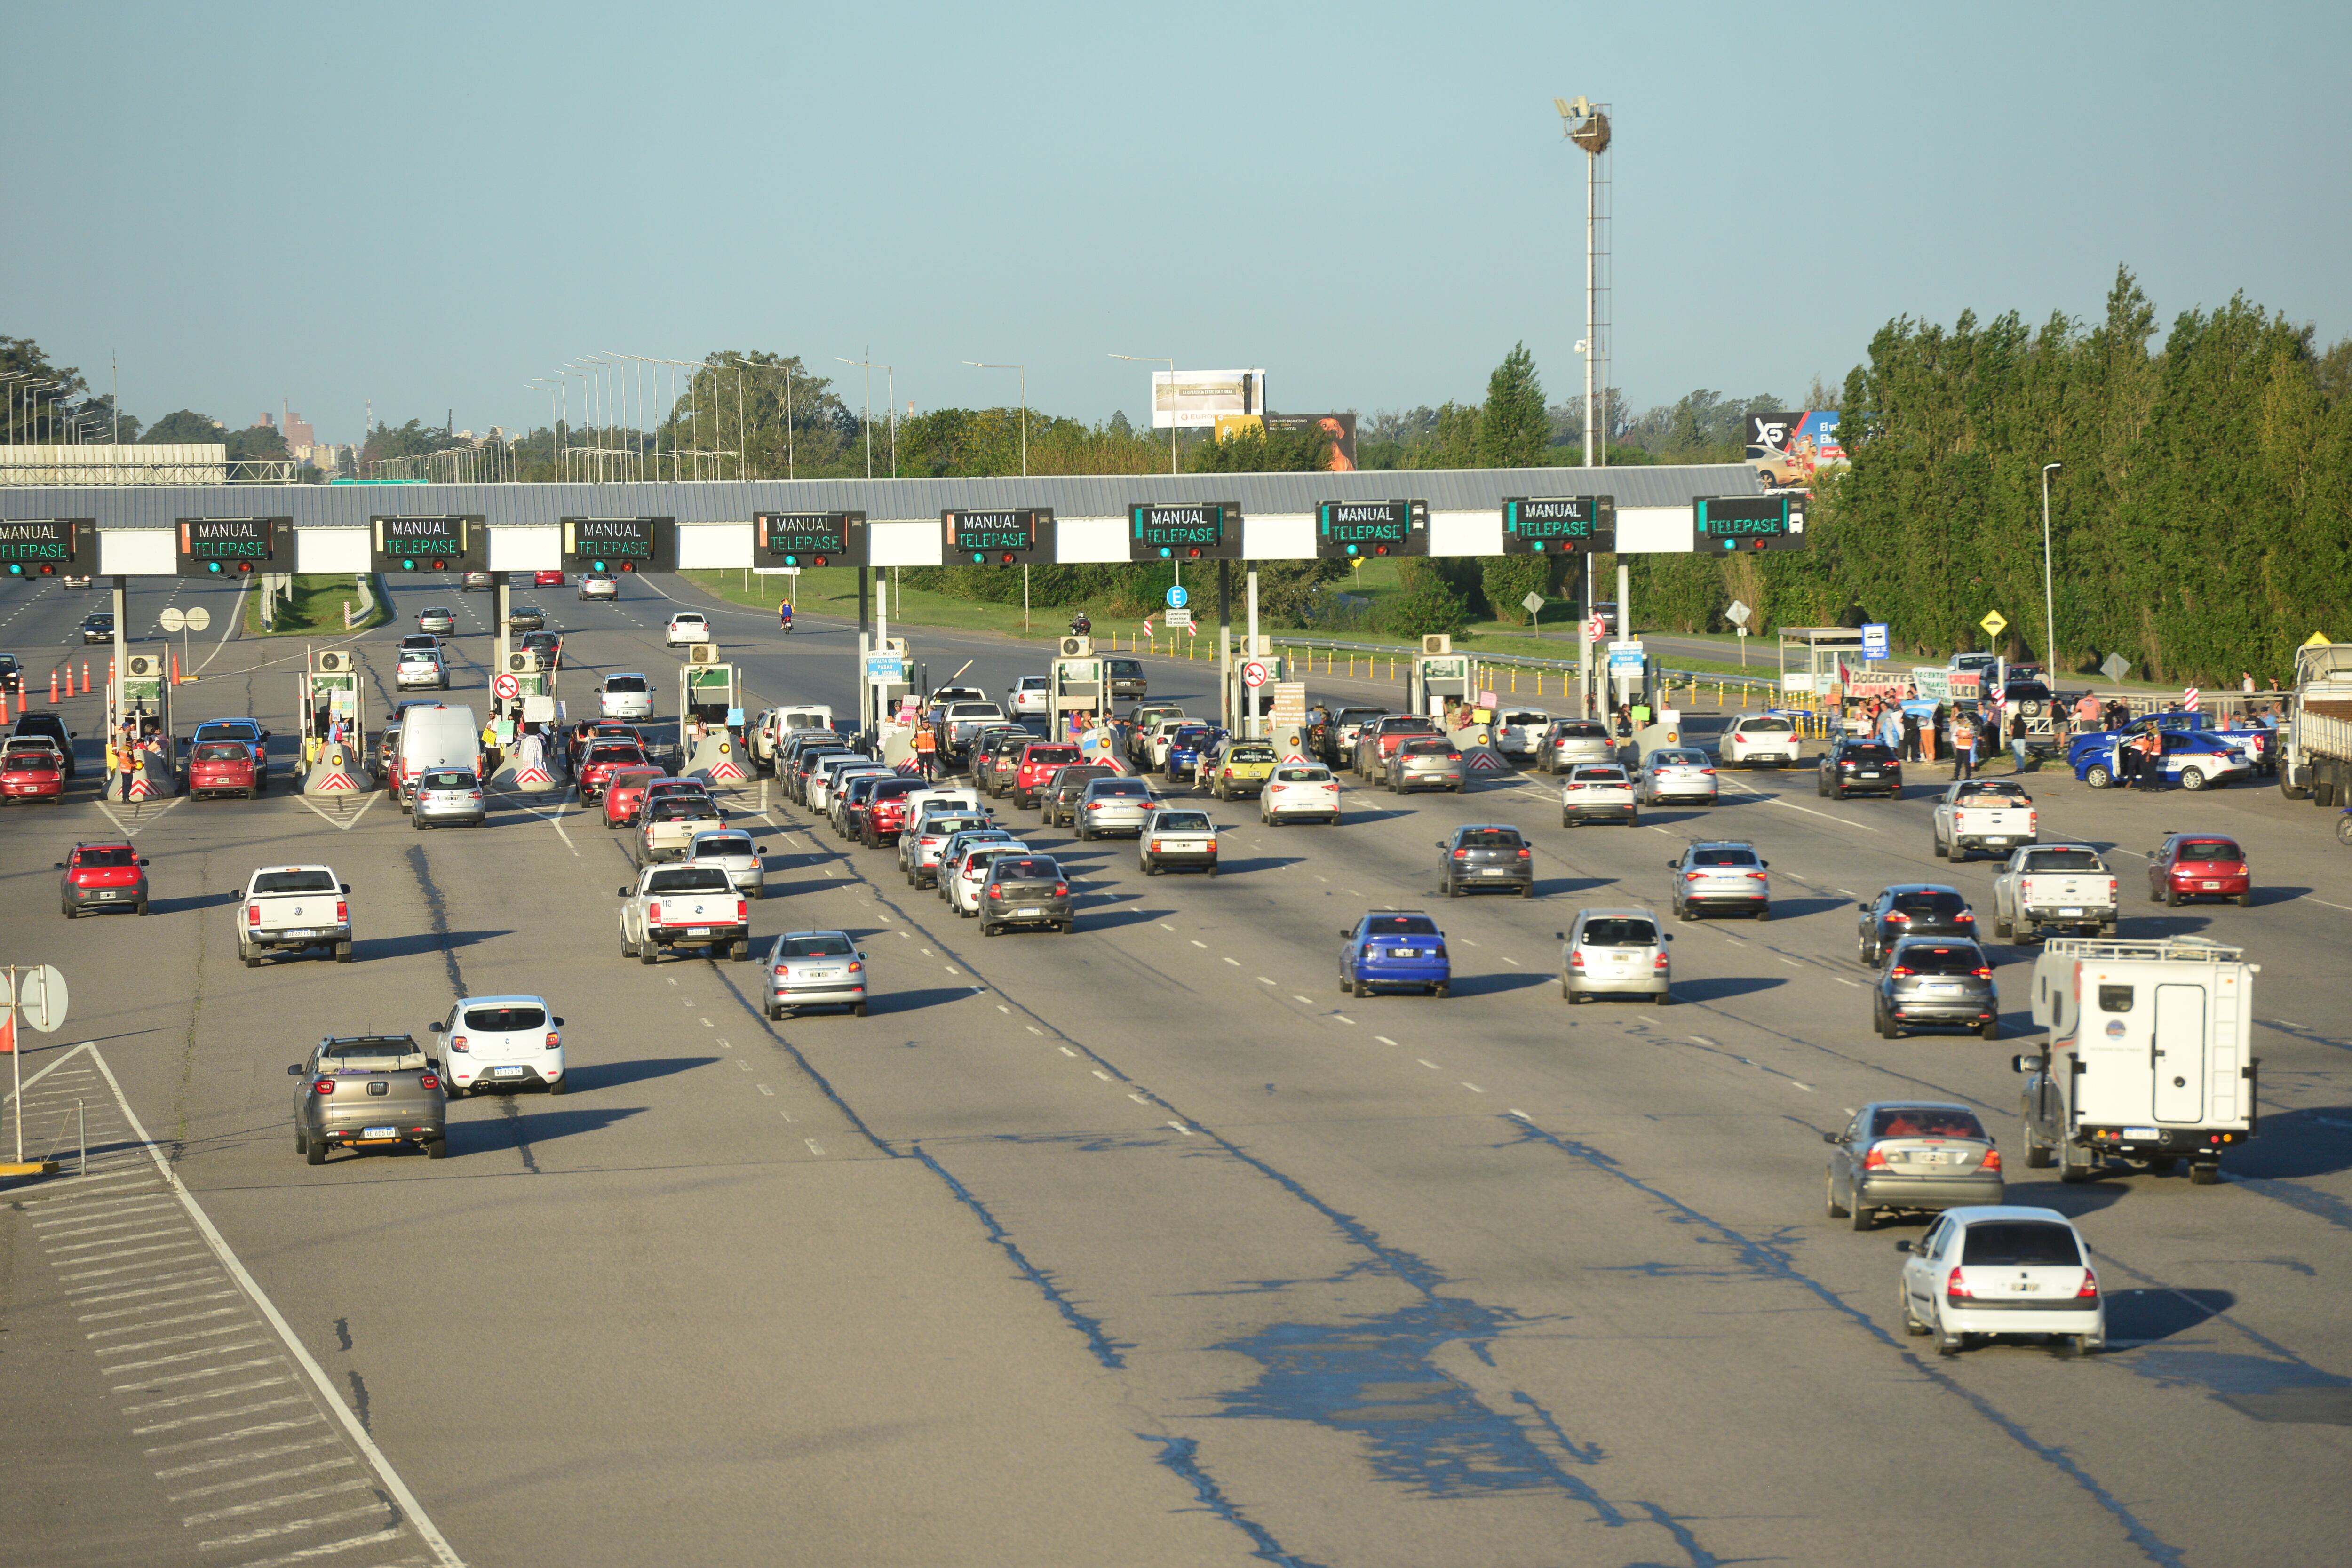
(1113, 805)
(1721, 876)
(1572, 741)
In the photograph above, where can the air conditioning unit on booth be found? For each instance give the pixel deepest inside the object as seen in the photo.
(1435, 643)
(142, 666)
(521, 663)
(1077, 648)
(701, 653)
(334, 663)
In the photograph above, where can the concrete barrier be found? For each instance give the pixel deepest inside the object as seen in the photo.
(717, 760)
(336, 770)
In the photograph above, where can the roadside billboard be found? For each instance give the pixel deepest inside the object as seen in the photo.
(1192, 399)
(1785, 449)
(1340, 427)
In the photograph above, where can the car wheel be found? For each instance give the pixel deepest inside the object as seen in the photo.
(1359, 988)
(1881, 1022)
(342, 953)
(301, 1142)
(648, 952)
(858, 1010)
(1865, 1217)
(2193, 778)
(1765, 914)
(1861, 952)
(143, 904)
(252, 960)
(1440, 989)
(2204, 1175)
(1990, 1029)
(1950, 1344)
(1211, 872)
(437, 1148)
(2037, 1153)
(316, 1154)
(988, 927)
(1566, 821)
(2002, 927)
(2172, 898)
(2245, 901)
(1663, 999)
(1837, 1210)
(1575, 998)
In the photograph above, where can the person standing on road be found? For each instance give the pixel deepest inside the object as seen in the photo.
(2017, 743)
(2151, 760)
(490, 744)
(126, 758)
(926, 751)
(1964, 744)
(1910, 752)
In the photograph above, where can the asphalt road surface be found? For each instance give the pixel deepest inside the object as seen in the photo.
(1140, 1246)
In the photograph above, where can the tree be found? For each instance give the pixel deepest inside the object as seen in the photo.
(186, 427)
(38, 413)
(258, 443)
(1304, 450)
(1425, 603)
(1509, 579)
(1514, 428)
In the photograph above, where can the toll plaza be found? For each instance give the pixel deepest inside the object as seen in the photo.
(138, 708)
(330, 701)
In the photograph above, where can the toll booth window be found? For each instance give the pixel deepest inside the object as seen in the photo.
(2115, 998)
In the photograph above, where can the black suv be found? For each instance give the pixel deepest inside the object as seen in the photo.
(1913, 909)
(1489, 855)
(1860, 767)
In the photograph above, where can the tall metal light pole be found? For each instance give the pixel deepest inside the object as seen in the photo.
(869, 365)
(1584, 124)
(2049, 600)
(1146, 358)
(559, 411)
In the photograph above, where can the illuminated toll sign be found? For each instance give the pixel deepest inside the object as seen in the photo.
(997, 536)
(235, 546)
(410, 545)
(620, 544)
(48, 547)
(1203, 531)
(807, 539)
(1561, 525)
(1726, 524)
(1370, 529)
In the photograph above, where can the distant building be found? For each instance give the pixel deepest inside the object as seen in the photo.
(298, 431)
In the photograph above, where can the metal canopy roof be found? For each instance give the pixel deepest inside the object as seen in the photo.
(732, 501)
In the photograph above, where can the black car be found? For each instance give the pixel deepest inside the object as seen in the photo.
(98, 627)
(1929, 981)
(1126, 678)
(1914, 908)
(996, 760)
(46, 723)
(12, 674)
(544, 647)
(1860, 767)
(525, 618)
(1486, 855)
(1025, 890)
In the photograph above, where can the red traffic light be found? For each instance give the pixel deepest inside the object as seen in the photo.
(48, 571)
(440, 566)
(245, 566)
(628, 567)
(819, 561)
(1005, 559)
(1380, 550)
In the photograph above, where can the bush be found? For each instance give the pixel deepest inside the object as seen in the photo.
(1426, 602)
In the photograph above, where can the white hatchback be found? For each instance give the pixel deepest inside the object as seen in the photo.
(1762, 740)
(501, 1042)
(1299, 791)
(686, 626)
(1597, 791)
(2007, 1270)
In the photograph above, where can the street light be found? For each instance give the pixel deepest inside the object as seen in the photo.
(891, 387)
(1023, 369)
(1146, 358)
(2049, 601)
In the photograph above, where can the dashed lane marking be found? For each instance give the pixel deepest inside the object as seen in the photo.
(1430, 1065)
(1384, 1040)
(1472, 1087)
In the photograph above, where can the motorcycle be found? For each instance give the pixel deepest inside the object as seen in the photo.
(1080, 627)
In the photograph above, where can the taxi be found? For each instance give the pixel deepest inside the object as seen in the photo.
(1237, 768)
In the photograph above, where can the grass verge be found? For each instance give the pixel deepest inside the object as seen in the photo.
(316, 609)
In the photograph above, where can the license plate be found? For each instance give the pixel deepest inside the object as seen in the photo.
(2140, 1133)
(1494, 871)
(2001, 838)
(698, 930)
(1027, 914)
(1187, 847)
(821, 974)
(1867, 773)
(1940, 990)
(1932, 1157)
(2025, 1287)
(109, 895)
(2076, 912)
(298, 934)
(508, 1072)
(379, 1131)
(2212, 884)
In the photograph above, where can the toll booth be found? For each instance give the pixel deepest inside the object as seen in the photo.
(1080, 683)
(329, 692)
(1438, 675)
(516, 679)
(887, 678)
(1253, 707)
(706, 686)
(140, 697)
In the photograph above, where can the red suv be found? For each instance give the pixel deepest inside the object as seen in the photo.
(222, 767)
(101, 877)
(883, 812)
(1038, 760)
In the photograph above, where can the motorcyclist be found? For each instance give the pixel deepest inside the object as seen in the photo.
(1080, 626)
(785, 616)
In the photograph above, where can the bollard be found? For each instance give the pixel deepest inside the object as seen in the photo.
(175, 669)
(81, 1136)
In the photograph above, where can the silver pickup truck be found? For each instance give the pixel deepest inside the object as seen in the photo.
(2061, 887)
(684, 906)
(1974, 815)
(292, 909)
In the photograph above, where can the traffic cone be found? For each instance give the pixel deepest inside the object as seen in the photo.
(53, 685)
(85, 676)
(175, 669)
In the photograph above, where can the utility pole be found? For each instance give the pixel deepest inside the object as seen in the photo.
(2049, 600)
(1584, 123)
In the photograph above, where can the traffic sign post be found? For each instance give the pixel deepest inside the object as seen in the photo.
(506, 688)
(2115, 666)
(193, 619)
(1533, 603)
(1178, 598)
(36, 995)
(1738, 614)
(1875, 641)
(1994, 622)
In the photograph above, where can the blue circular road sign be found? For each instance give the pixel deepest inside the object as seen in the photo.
(1178, 598)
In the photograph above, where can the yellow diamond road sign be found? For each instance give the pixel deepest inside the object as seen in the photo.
(2316, 640)
(1993, 623)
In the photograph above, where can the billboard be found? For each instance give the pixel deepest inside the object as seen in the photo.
(1341, 427)
(1192, 399)
(1785, 449)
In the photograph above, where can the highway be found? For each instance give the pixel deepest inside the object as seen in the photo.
(1142, 1245)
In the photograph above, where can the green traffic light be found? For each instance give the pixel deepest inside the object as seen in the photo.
(596, 565)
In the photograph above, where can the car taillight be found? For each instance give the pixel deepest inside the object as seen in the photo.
(1967, 918)
(653, 910)
(552, 1041)
(343, 912)
(1706, 770)
(995, 893)
(1575, 960)
(1461, 853)
(1097, 805)
(1574, 786)
(926, 841)
(1525, 852)
(742, 912)
(2032, 818)
(1981, 974)
(2111, 887)
(1756, 877)
(1991, 1159)
(458, 1044)
(1900, 972)
(1061, 890)
(1367, 953)
(252, 914)
(2089, 1289)
(1453, 756)
(324, 1086)
(1898, 916)
(1957, 1288)
(856, 968)
(1874, 1161)
(1692, 876)
(428, 1081)
(1659, 963)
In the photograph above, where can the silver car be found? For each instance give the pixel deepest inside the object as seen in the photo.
(1910, 1156)
(921, 846)
(814, 969)
(1572, 741)
(1615, 952)
(1677, 773)
(1721, 876)
(1114, 806)
(436, 618)
(449, 798)
(731, 851)
(1433, 762)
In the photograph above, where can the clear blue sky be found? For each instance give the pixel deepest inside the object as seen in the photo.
(427, 205)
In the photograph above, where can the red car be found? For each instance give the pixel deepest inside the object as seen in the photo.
(602, 757)
(547, 579)
(2199, 866)
(222, 767)
(625, 794)
(1038, 760)
(32, 770)
(101, 877)
(884, 815)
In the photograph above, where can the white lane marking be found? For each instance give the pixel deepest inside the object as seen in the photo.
(766, 1091)
(1512, 961)
(1345, 1019)
(1656, 829)
(1165, 926)
(1430, 1065)
(815, 1147)
(1824, 815)
(1003, 1008)
(342, 826)
(1790, 962)
(1302, 1001)
(1139, 1100)
(1198, 942)
(1102, 1075)
(1182, 1128)
(1472, 1087)
(1234, 962)
(1065, 1050)
(2346, 908)
(1262, 979)
(1384, 1040)
(1843, 980)
(1806, 1087)
(705, 1022)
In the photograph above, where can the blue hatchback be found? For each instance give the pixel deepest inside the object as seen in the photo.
(1184, 749)
(1393, 949)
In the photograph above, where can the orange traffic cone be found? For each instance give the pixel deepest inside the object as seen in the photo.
(85, 676)
(175, 669)
(53, 685)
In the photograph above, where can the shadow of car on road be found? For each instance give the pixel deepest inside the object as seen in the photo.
(588, 1078)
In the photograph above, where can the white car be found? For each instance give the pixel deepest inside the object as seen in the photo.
(962, 885)
(1519, 732)
(686, 626)
(501, 1042)
(420, 667)
(599, 585)
(1597, 791)
(1762, 740)
(1030, 694)
(1299, 791)
(626, 694)
(1985, 1271)
(832, 774)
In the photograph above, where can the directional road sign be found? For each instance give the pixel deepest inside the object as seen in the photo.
(1737, 614)
(2115, 666)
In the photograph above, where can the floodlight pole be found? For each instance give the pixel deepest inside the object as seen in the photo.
(2049, 600)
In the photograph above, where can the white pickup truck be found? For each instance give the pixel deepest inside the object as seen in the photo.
(667, 824)
(1975, 814)
(291, 909)
(684, 906)
(2045, 887)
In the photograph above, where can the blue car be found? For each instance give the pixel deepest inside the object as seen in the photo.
(1184, 749)
(1394, 949)
(2194, 760)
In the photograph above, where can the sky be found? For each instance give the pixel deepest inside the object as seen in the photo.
(430, 205)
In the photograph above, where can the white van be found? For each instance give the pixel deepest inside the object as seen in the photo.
(435, 736)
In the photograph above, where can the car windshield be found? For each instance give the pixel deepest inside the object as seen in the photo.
(447, 778)
(625, 683)
(2063, 861)
(123, 855)
(1302, 775)
(1765, 726)
(1929, 903)
(2020, 1243)
(1619, 931)
(294, 882)
(825, 944)
(1920, 958)
(2204, 851)
(506, 1018)
(688, 880)
(1180, 822)
(1723, 857)
(1488, 838)
(221, 752)
(1924, 1122)
(722, 845)
(1400, 925)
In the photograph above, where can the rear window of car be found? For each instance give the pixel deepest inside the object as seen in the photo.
(2063, 861)
(1870, 751)
(222, 751)
(1581, 729)
(679, 808)
(685, 619)
(123, 855)
(1180, 822)
(729, 845)
(1488, 838)
(1408, 727)
(1024, 868)
(1118, 667)
(227, 731)
(1989, 801)
(2204, 850)
(945, 826)
(1604, 774)
(505, 1020)
(1678, 759)
(812, 947)
(1432, 747)
(1190, 735)
(1250, 754)
(625, 683)
(1920, 958)
(1929, 903)
(294, 882)
(614, 753)
(1050, 754)
(1617, 930)
(1723, 857)
(447, 778)
(973, 710)
(1765, 726)
(1400, 925)
(418, 656)
(2020, 1243)
(1120, 789)
(1302, 775)
(1924, 1121)
(688, 879)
